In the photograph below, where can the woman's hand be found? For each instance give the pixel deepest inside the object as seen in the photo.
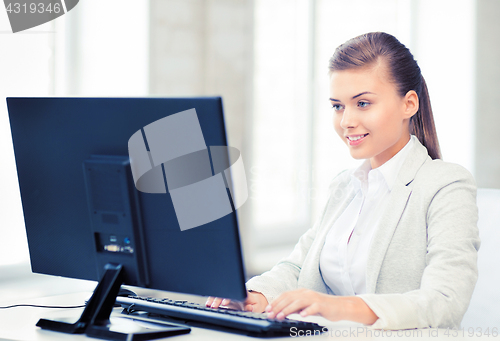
(307, 302)
(255, 302)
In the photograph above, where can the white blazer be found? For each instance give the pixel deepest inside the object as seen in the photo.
(422, 264)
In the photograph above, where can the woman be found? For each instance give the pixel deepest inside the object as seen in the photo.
(396, 245)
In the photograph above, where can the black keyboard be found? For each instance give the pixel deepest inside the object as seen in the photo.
(254, 324)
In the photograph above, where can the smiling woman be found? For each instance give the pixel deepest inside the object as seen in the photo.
(397, 228)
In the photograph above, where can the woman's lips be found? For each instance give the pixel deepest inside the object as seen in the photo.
(356, 139)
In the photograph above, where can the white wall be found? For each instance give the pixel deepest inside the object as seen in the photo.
(443, 43)
(487, 112)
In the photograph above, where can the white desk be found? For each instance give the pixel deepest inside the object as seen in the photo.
(20, 324)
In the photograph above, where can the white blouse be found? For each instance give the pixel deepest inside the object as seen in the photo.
(345, 252)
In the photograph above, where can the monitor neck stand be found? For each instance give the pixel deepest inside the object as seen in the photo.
(95, 322)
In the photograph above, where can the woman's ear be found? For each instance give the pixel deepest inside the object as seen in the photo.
(411, 103)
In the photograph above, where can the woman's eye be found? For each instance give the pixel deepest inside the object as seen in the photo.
(363, 104)
(337, 107)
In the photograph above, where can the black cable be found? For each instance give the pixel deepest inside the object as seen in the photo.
(43, 306)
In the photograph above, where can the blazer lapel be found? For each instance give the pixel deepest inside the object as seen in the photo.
(388, 221)
(390, 218)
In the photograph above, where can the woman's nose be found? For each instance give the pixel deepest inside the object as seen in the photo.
(348, 119)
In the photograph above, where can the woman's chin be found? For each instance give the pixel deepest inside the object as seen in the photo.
(358, 155)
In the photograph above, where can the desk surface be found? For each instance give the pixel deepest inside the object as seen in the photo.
(20, 323)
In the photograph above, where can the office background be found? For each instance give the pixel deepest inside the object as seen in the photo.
(268, 60)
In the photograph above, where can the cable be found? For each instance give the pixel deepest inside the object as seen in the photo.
(43, 306)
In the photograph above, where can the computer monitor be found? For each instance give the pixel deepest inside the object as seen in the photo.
(84, 214)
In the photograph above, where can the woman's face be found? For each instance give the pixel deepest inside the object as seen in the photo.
(369, 115)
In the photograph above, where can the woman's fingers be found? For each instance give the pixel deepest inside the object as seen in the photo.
(303, 301)
(209, 301)
(275, 308)
(216, 302)
(293, 307)
(255, 302)
(293, 302)
(313, 309)
(236, 305)
(213, 302)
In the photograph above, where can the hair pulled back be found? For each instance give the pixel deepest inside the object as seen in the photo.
(366, 50)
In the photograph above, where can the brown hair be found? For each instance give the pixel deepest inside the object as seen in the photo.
(365, 50)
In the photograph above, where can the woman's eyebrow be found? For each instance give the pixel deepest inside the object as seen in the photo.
(363, 93)
(353, 97)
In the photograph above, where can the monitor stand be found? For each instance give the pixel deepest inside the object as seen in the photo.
(95, 319)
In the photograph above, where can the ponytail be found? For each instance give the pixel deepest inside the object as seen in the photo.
(422, 124)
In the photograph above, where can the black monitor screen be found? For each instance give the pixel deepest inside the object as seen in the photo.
(68, 153)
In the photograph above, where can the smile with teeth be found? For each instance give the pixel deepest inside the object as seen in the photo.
(355, 138)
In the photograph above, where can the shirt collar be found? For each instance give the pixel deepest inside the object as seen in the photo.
(389, 169)
(359, 177)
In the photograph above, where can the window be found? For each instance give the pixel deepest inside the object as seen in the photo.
(96, 49)
(26, 65)
(279, 178)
